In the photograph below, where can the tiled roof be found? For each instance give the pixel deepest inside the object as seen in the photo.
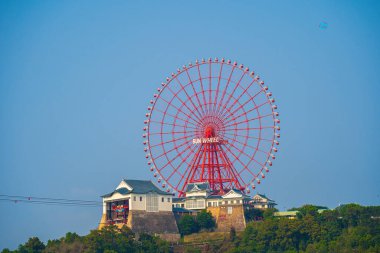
(138, 187)
(178, 199)
(238, 191)
(181, 209)
(265, 197)
(214, 197)
(144, 186)
(201, 186)
(122, 191)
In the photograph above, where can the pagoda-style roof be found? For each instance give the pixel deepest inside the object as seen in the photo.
(263, 197)
(235, 193)
(205, 186)
(128, 186)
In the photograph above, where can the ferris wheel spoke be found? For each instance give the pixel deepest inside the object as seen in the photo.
(202, 89)
(174, 116)
(245, 166)
(250, 137)
(175, 132)
(247, 145)
(191, 170)
(172, 140)
(179, 166)
(249, 163)
(172, 124)
(183, 103)
(248, 120)
(241, 152)
(209, 86)
(196, 93)
(218, 87)
(246, 112)
(170, 104)
(231, 94)
(173, 159)
(189, 98)
(251, 98)
(249, 128)
(229, 162)
(248, 156)
(225, 89)
(245, 91)
(246, 169)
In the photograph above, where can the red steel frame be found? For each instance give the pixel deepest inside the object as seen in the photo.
(203, 107)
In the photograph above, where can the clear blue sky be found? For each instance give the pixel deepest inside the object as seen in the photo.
(76, 79)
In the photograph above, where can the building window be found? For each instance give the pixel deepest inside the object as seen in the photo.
(229, 210)
(162, 199)
(151, 202)
(182, 205)
(169, 200)
(195, 203)
(134, 198)
(140, 198)
(209, 204)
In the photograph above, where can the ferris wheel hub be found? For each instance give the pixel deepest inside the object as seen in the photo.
(209, 132)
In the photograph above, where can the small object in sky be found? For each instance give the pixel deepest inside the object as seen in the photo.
(323, 25)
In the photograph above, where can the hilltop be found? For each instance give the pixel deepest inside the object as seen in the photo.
(348, 228)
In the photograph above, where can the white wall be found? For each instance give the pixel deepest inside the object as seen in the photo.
(165, 206)
(137, 204)
(140, 205)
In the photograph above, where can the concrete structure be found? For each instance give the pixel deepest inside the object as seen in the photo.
(141, 206)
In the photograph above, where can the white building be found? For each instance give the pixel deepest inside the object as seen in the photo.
(260, 201)
(199, 196)
(141, 206)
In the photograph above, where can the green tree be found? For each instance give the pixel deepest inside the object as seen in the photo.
(33, 245)
(205, 220)
(187, 225)
(71, 237)
(110, 238)
(307, 210)
(153, 244)
(269, 213)
(253, 214)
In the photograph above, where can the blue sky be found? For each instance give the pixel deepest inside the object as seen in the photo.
(76, 79)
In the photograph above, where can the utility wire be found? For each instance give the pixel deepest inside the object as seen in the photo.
(49, 201)
(40, 198)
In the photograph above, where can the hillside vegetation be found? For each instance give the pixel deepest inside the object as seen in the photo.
(348, 228)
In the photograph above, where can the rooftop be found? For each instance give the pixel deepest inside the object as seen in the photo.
(138, 187)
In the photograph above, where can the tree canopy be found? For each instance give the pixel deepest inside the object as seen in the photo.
(348, 228)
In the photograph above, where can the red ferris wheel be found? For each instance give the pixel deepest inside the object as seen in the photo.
(211, 121)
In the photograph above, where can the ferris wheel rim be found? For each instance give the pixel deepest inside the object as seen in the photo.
(165, 86)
